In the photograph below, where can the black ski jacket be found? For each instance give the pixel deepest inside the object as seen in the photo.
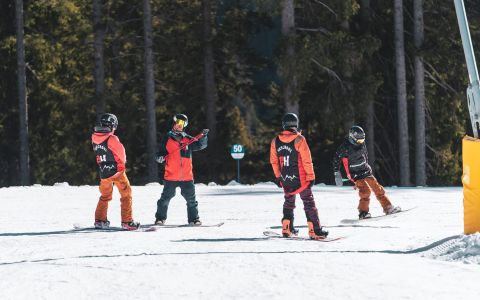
(355, 157)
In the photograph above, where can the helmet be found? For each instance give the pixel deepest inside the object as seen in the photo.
(290, 120)
(109, 120)
(180, 119)
(356, 135)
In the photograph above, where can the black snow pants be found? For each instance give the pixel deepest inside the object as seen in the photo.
(188, 192)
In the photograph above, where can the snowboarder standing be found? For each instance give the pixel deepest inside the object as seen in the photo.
(111, 159)
(353, 155)
(293, 168)
(175, 150)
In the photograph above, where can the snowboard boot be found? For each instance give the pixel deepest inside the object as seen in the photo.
(364, 215)
(316, 233)
(195, 222)
(99, 224)
(160, 222)
(287, 228)
(392, 210)
(132, 225)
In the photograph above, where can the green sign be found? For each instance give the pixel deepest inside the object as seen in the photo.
(237, 151)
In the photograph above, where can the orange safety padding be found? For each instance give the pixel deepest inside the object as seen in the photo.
(471, 184)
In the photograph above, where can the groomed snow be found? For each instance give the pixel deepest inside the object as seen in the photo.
(420, 254)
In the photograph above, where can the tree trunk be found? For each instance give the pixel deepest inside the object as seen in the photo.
(99, 72)
(420, 144)
(370, 133)
(404, 158)
(150, 92)
(289, 80)
(211, 94)
(22, 97)
(365, 13)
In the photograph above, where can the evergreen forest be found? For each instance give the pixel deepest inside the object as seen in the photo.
(395, 67)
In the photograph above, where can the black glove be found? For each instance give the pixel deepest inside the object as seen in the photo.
(338, 178)
(311, 183)
(278, 182)
(205, 131)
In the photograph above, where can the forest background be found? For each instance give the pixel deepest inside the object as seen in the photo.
(395, 67)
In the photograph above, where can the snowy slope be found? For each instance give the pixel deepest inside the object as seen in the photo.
(420, 254)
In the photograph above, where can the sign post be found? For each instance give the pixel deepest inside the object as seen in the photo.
(238, 152)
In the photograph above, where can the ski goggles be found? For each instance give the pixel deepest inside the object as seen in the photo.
(360, 141)
(180, 122)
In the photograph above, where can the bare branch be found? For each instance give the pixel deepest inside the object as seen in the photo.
(434, 75)
(442, 84)
(329, 72)
(320, 29)
(326, 6)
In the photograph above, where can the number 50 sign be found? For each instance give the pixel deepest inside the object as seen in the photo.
(237, 151)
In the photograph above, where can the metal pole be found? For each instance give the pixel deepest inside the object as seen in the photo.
(238, 170)
(466, 40)
(473, 91)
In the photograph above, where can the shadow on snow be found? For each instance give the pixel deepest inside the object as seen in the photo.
(413, 251)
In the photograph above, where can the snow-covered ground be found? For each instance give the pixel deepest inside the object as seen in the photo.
(420, 254)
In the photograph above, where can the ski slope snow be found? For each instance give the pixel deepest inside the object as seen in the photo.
(420, 254)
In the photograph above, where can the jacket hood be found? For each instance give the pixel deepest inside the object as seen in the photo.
(288, 136)
(100, 137)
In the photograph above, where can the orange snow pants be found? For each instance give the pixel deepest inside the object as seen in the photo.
(106, 190)
(365, 187)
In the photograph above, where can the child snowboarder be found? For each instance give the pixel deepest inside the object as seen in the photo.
(111, 159)
(176, 151)
(353, 154)
(292, 165)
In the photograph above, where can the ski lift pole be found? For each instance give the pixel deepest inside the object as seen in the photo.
(473, 90)
(470, 146)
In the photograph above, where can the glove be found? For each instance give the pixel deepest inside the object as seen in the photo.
(160, 159)
(311, 183)
(338, 178)
(205, 131)
(278, 182)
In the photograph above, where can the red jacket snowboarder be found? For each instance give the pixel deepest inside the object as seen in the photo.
(111, 159)
(292, 165)
(176, 151)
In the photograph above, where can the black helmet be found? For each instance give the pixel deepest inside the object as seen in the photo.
(178, 118)
(356, 135)
(109, 120)
(290, 120)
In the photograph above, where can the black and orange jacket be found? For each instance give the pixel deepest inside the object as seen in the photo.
(284, 147)
(354, 159)
(110, 153)
(178, 162)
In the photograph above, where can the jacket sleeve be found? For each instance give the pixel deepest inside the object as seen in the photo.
(342, 152)
(274, 159)
(162, 147)
(118, 150)
(304, 150)
(200, 144)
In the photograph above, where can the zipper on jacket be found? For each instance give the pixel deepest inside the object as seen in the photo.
(181, 165)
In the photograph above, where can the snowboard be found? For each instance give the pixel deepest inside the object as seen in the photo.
(273, 234)
(79, 227)
(142, 228)
(376, 218)
(153, 227)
